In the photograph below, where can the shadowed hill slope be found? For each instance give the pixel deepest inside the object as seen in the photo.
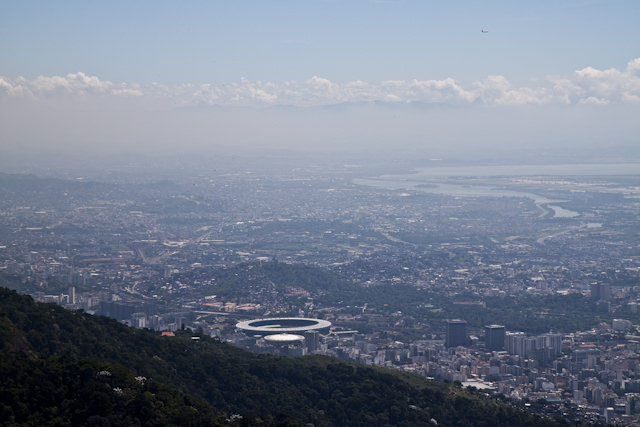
(53, 365)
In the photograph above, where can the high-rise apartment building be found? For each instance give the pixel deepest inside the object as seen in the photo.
(456, 333)
(494, 337)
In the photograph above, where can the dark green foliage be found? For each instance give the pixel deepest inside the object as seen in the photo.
(538, 314)
(56, 391)
(533, 314)
(21, 284)
(52, 359)
(14, 282)
(238, 280)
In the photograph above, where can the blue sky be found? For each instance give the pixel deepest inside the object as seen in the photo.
(221, 41)
(142, 70)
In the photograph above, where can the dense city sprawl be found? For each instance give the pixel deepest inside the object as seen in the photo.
(550, 264)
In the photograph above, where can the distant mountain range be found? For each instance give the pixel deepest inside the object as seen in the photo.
(61, 367)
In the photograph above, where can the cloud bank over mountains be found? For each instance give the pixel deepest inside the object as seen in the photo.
(585, 86)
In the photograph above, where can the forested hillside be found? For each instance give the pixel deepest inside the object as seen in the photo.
(63, 367)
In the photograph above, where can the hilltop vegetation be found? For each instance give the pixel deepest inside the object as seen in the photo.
(63, 367)
(238, 281)
(534, 314)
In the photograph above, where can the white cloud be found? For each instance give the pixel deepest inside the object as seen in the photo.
(127, 92)
(633, 67)
(73, 83)
(591, 85)
(5, 85)
(586, 86)
(593, 100)
(497, 90)
(427, 91)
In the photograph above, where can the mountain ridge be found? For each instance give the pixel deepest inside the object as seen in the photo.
(156, 380)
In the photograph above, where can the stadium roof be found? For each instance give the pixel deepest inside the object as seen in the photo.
(283, 325)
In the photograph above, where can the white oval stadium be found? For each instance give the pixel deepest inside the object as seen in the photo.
(284, 339)
(283, 325)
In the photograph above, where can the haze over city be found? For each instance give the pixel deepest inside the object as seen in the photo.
(418, 213)
(492, 78)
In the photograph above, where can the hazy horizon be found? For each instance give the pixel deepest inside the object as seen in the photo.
(395, 80)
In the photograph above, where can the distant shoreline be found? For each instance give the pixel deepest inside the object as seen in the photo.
(578, 169)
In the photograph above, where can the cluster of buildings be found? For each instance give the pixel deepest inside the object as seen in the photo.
(587, 376)
(152, 256)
